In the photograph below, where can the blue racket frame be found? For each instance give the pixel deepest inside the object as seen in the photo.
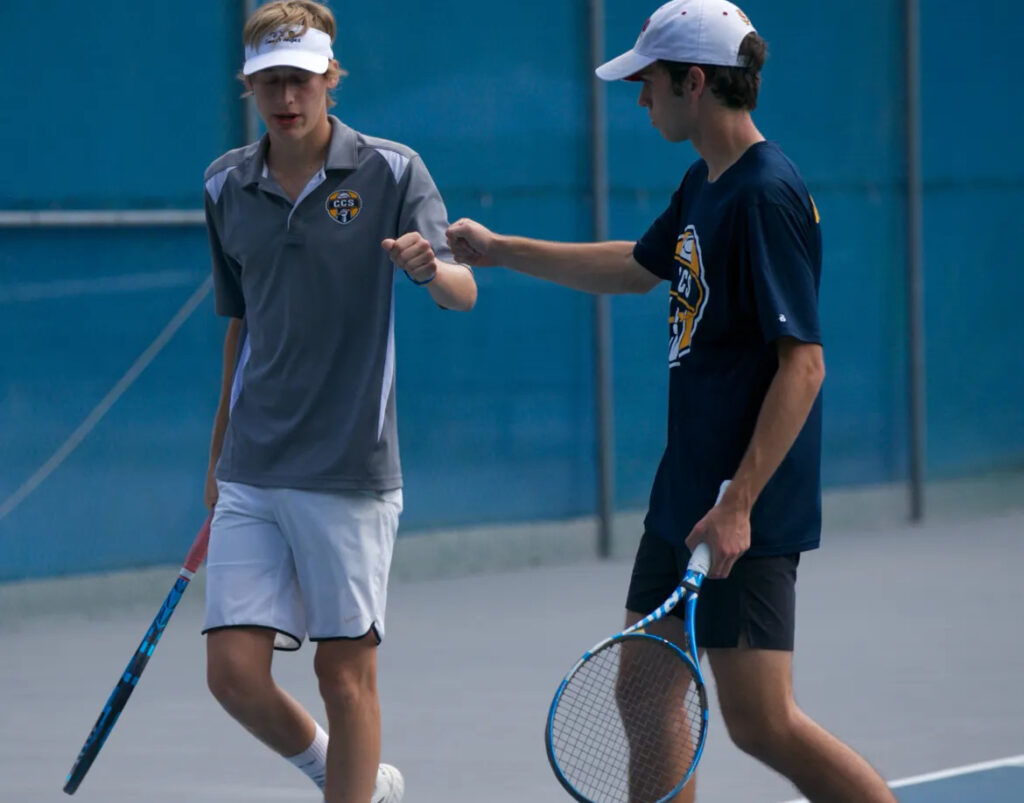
(130, 677)
(686, 593)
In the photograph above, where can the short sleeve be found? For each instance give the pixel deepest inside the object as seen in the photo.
(656, 249)
(781, 252)
(423, 210)
(227, 278)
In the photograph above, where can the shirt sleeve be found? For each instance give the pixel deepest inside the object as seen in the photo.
(781, 252)
(656, 249)
(227, 274)
(423, 210)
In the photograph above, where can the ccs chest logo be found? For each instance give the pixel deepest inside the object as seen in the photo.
(688, 296)
(344, 206)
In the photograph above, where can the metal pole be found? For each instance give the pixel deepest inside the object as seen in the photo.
(917, 390)
(250, 114)
(602, 306)
(100, 218)
(131, 218)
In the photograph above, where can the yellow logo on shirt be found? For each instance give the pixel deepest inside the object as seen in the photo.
(688, 296)
(344, 206)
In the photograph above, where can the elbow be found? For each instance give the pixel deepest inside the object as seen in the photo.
(641, 285)
(814, 369)
(464, 303)
(456, 290)
(805, 362)
(469, 299)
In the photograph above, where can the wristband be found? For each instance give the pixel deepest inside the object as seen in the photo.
(427, 281)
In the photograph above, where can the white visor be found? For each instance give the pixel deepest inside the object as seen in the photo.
(287, 47)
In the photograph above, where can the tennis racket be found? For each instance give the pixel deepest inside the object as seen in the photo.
(126, 685)
(628, 723)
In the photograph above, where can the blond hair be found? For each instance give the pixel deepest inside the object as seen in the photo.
(301, 14)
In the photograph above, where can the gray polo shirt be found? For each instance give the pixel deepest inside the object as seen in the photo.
(313, 399)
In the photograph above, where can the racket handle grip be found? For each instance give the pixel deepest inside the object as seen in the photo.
(197, 553)
(700, 560)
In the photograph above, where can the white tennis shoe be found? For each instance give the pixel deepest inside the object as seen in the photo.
(390, 787)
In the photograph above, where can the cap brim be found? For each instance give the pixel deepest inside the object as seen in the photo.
(287, 58)
(625, 66)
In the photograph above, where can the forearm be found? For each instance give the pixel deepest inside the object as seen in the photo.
(220, 426)
(784, 411)
(453, 287)
(220, 421)
(606, 267)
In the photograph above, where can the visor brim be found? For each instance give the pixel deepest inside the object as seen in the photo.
(624, 67)
(311, 62)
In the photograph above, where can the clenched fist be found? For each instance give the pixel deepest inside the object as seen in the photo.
(472, 243)
(413, 254)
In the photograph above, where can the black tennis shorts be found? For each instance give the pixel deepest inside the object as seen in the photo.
(757, 599)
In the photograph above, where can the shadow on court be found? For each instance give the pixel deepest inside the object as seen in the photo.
(908, 648)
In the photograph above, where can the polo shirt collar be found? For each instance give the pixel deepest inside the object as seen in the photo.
(256, 165)
(342, 152)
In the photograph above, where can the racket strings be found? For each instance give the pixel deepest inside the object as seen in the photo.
(628, 724)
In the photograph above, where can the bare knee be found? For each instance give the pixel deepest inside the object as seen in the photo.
(628, 684)
(237, 673)
(755, 691)
(759, 732)
(234, 684)
(347, 678)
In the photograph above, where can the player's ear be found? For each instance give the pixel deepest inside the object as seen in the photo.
(334, 74)
(696, 80)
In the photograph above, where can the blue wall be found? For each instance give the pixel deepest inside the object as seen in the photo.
(495, 407)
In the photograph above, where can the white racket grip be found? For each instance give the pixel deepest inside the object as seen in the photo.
(700, 561)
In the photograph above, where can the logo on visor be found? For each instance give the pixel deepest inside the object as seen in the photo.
(344, 206)
(283, 35)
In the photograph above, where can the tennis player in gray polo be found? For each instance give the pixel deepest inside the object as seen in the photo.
(309, 228)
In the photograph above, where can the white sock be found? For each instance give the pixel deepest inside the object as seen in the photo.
(313, 760)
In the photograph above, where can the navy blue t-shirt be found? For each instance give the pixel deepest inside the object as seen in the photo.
(743, 254)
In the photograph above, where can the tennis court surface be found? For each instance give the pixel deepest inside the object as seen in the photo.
(908, 648)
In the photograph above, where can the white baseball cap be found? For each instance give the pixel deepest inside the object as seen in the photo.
(290, 47)
(688, 31)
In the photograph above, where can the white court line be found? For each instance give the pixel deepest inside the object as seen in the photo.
(1012, 761)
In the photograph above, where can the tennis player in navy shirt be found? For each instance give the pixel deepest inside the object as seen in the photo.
(743, 255)
(740, 246)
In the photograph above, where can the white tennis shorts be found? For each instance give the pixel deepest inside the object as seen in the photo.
(300, 562)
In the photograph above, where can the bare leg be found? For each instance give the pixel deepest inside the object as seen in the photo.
(238, 674)
(642, 740)
(755, 690)
(347, 671)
